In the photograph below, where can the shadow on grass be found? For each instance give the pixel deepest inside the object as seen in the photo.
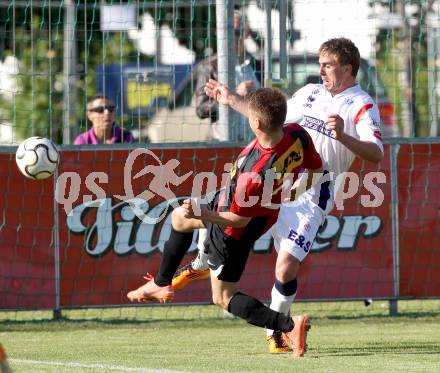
(64, 323)
(422, 348)
(401, 315)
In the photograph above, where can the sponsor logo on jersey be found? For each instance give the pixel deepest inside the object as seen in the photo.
(317, 125)
(291, 159)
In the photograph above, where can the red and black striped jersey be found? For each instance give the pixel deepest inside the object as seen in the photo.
(255, 184)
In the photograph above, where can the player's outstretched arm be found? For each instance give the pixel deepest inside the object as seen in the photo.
(223, 95)
(193, 211)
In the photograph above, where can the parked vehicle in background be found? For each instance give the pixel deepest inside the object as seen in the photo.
(179, 122)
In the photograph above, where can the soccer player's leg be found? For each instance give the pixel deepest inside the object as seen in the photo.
(294, 232)
(283, 293)
(159, 289)
(197, 269)
(227, 264)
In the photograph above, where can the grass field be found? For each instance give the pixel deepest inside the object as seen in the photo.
(345, 337)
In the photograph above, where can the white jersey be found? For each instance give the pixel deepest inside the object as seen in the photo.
(310, 107)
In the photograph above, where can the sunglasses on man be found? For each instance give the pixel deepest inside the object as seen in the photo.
(101, 109)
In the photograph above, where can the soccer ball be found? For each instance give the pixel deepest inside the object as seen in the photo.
(37, 158)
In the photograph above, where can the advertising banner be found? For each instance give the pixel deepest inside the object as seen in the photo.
(114, 217)
(107, 249)
(27, 247)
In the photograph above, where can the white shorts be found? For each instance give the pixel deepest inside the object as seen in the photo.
(296, 228)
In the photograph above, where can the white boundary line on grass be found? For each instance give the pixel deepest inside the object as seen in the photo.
(92, 366)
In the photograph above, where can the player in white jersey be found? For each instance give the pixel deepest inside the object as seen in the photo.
(343, 122)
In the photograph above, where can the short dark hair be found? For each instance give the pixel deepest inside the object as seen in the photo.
(345, 52)
(269, 105)
(97, 97)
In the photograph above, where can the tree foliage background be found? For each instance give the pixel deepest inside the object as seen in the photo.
(35, 36)
(402, 55)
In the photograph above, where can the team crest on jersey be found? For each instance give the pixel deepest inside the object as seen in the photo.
(348, 101)
(310, 99)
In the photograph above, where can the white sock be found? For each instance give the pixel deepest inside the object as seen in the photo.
(280, 303)
(201, 261)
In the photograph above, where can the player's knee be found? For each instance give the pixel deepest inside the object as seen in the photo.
(285, 273)
(287, 270)
(282, 275)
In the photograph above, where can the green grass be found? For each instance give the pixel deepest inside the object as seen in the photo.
(345, 337)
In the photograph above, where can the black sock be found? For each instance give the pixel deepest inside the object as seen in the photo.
(288, 288)
(174, 251)
(256, 313)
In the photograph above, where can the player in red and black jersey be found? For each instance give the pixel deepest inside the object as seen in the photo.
(244, 210)
(254, 193)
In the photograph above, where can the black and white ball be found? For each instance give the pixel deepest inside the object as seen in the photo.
(37, 158)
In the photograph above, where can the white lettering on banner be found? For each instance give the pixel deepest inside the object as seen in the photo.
(129, 233)
(91, 185)
(73, 190)
(376, 192)
(347, 230)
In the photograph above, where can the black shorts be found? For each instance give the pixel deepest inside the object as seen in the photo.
(227, 256)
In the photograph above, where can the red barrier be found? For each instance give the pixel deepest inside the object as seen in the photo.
(27, 271)
(419, 219)
(107, 254)
(105, 250)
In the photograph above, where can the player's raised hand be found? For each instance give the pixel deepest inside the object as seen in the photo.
(335, 124)
(210, 86)
(217, 91)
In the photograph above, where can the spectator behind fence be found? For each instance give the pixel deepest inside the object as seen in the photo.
(247, 73)
(104, 130)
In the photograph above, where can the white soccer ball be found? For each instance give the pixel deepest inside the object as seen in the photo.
(37, 158)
